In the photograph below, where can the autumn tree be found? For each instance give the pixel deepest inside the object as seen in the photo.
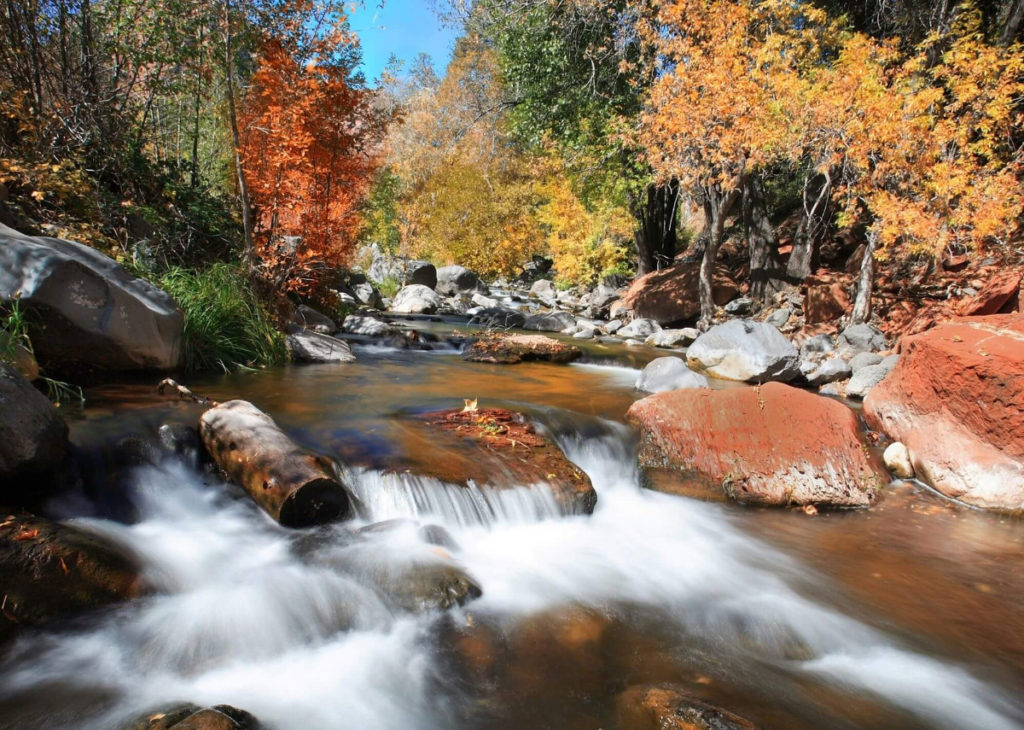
(309, 132)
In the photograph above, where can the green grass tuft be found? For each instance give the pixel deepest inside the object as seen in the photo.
(226, 328)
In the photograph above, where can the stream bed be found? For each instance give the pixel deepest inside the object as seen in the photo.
(907, 615)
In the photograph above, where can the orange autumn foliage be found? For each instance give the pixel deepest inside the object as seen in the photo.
(308, 138)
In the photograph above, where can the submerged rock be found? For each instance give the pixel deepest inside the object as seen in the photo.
(667, 707)
(187, 716)
(773, 444)
(956, 400)
(50, 570)
(744, 350)
(512, 348)
(89, 312)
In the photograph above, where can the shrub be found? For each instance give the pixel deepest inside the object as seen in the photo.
(226, 327)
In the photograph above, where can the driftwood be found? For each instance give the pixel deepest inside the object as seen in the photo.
(293, 485)
(182, 392)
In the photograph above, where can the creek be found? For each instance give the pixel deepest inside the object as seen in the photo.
(907, 615)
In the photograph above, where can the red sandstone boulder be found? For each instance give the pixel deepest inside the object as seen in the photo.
(773, 445)
(1000, 294)
(511, 348)
(956, 400)
(671, 295)
(826, 299)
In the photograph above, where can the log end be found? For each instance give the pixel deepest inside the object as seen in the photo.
(314, 503)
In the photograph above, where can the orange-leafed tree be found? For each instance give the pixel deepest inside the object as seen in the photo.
(310, 133)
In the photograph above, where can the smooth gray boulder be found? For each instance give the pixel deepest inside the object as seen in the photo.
(416, 299)
(498, 317)
(829, 371)
(668, 373)
(816, 345)
(543, 289)
(313, 320)
(673, 338)
(455, 280)
(356, 324)
(866, 378)
(306, 346)
(366, 293)
(862, 338)
(740, 305)
(779, 317)
(745, 350)
(549, 322)
(89, 311)
(404, 271)
(33, 436)
(863, 360)
(639, 328)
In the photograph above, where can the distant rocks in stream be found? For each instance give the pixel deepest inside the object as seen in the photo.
(513, 348)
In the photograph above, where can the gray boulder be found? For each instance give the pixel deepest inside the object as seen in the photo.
(868, 377)
(455, 280)
(829, 371)
(614, 326)
(639, 328)
(416, 299)
(668, 373)
(740, 305)
(90, 311)
(482, 301)
(779, 317)
(33, 436)
(863, 360)
(367, 294)
(355, 324)
(313, 320)
(422, 273)
(306, 346)
(862, 338)
(816, 345)
(586, 332)
(404, 271)
(498, 317)
(745, 350)
(549, 322)
(673, 338)
(543, 289)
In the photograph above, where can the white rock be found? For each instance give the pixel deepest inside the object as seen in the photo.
(897, 460)
(668, 373)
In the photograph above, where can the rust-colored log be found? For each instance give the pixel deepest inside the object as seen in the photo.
(293, 485)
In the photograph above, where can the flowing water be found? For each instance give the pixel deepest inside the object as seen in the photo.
(905, 616)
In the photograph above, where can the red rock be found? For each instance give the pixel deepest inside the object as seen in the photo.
(956, 400)
(667, 707)
(672, 295)
(955, 263)
(826, 299)
(775, 445)
(1000, 291)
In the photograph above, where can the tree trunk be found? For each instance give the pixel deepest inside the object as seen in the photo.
(865, 283)
(292, 485)
(656, 234)
(249, 250)
(817, 210)
(716, 209)
(1014, 20)
(765, 267)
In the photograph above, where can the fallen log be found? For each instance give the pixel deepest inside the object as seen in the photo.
(294, 486)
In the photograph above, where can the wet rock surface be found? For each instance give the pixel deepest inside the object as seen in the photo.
(33, 438)
(666, 707)
(513, 348)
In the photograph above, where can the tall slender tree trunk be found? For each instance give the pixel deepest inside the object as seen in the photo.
(194, 177)
(249, 250)
(813, 225)
(717, 205)
(865, 282)
(765, 266)
(656, 233)
(1014, 21)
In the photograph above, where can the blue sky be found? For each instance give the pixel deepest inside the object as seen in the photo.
(402, 27)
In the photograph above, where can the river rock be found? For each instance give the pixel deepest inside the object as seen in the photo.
(357, 324)
(861, 338)
(744, 350)
(826, 298)
(673, 338)
(455, 280)
(512, 348)
(187, 716)
(830, 370)
(88, 311)
(639, 329)
(999, 294)
(549, 322)
(51, 570)
(585, 332)
(480, 300)
(816, 345)
(498, 317)
(773, 444)
(667, 707)
(367, 294)
(740, 306)
(500, 448)
(956, 400)
(668, 373)
(897, 460)
(868, 377)
(403, 271)
(671, 296)
(314, 321)
(543, 289)
(33, 436)
(863, 360)
(435, 585)
(313, 347)
(416, 299)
